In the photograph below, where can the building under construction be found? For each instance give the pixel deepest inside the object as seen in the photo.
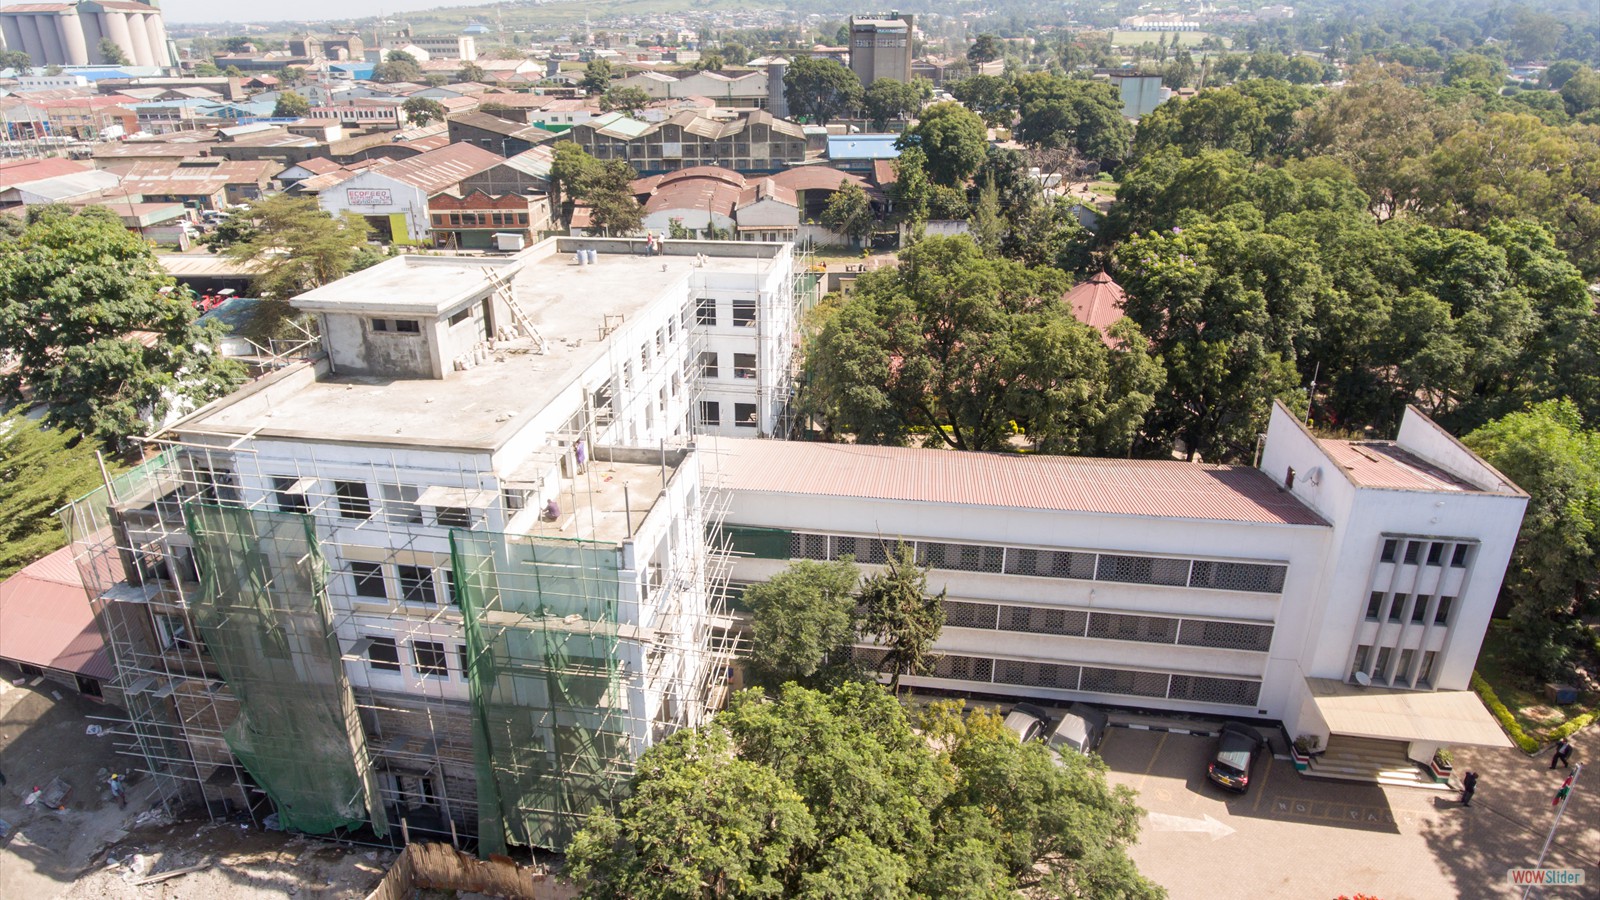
(454, 574)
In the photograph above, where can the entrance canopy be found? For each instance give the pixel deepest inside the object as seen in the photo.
(1444, 717)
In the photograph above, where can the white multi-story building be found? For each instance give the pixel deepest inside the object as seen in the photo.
(452, 572)
(1342, 587)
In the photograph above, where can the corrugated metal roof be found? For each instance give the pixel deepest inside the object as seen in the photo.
(1097, 302)
(817, 178)
(1157, 488)
(438, 169)
(1382, 464)
(46, 620)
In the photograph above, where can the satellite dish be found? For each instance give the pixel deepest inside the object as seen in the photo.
(1363, 679)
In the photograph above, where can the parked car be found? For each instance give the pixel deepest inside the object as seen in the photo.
(1081, 729)
(1027, 721)
(1237, 748)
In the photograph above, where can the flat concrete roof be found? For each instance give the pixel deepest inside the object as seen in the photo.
(606, 503)
(479, 408)
(1446, 717)
(410, 284)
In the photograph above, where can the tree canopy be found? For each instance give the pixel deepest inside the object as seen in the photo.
(99, 334)
(423, 110)
(290, 246)
(953, 140)
(803, 621)
(397, 66)
(849, 212)
(291, 104)
(887, 100)
(962, 348)
(604, 187)
(41, 470)
(820, 89)
(833, 796)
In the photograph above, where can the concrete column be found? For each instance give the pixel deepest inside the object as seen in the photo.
(11, 32)
(142, 56)
(93, 31)
(158, 40)
(32, 43)
(55, 51)
(70, 29)
(116, 27)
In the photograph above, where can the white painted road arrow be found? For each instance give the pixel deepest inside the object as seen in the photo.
(1205, 825)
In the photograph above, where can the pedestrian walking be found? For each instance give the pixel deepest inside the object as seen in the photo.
(1469, 786)
(1562, 754)
(117, 792)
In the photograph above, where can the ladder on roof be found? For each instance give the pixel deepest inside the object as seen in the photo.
(502, 288)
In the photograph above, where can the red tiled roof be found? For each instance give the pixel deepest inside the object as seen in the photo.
(1382, 464)
(1097, 302)
(1163, 488)
(46, 621)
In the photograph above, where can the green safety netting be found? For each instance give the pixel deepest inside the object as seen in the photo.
(761, 543)
(550, 734)
(263, 613)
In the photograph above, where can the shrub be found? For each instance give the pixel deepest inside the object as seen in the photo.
(1507, 721)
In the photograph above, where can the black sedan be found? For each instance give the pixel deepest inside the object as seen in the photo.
(1237, 747)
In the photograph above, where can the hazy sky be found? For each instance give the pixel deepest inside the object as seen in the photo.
(280, 10)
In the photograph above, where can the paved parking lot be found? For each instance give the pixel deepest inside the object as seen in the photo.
(1315, 839)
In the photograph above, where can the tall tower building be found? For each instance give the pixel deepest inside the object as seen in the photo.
(880, 47)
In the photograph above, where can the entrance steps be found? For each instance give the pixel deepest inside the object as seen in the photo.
(1371, 761)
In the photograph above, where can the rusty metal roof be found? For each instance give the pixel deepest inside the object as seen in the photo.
(46, 621)
(1382, 464)
(1155, 488)
(1097, 302)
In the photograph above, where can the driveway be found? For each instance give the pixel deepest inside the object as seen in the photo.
(1315, 839)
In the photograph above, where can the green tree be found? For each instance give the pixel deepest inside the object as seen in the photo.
(820, 89)
(849, 212)
(1227, 307)
(709, 62)
(735, 54)
(291, 105)
(990, 96)
(1581, 92)
(15, 59)
(985, 48)
(901, 616)
(965, 346)
(627, 100)
(952, 138)
(1085, 116)
(1555, 566)
(397, 66)
(912, 191)
(471, 71)
(825, 796)
(41, 470)
(291, 246)
(597, 77)
(605, 187)
(803, 621)
(110, 53)
(889, 100)
(75, 292)
(422, 110)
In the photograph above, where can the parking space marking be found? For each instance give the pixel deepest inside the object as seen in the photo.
(1154, 757)
(1261, 789)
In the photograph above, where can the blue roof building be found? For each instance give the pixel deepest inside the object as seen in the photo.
(857, 152)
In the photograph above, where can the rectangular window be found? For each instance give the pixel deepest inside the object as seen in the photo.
(1435, 554)
(708, 364)
(1360, 663)
(1419, 609)
(400, 503)
(644, 357)
(1374, 604)
(429, 657)
(744, 365)
(744, 313)
(1380, 669)
(1389, 548)
(1458, 559)
(288, 498)
(416, 584)
(380, 324)
(1441, 615)
(744, 415)
(407, 326)
(1402, 672)
(383, 655)
(1397, 607)
(706, 311)
(1425, 674)
(461, 315)
(353, 500)
(1413, 551)
(464, 660)
(710, 412)
(453, 517)
(369, 580)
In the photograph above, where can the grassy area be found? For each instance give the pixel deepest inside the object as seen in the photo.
(1522, 697)
(1135, 38)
